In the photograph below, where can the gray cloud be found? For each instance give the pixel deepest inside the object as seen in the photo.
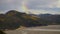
(47, 5)
(41, 3)
(9, 4)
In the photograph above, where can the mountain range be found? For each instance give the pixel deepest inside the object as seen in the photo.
(14, 19)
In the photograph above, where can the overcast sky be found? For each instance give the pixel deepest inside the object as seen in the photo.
(35, 6)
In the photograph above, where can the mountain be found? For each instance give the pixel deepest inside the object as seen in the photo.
(14, 19)
(55, 19)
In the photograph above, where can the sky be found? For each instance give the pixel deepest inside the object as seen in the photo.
(34, 6)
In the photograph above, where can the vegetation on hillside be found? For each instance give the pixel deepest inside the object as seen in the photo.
(1, 32)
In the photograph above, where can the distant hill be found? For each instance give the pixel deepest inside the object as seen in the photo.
(50, 18)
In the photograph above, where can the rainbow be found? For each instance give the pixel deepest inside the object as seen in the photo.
(26, 9)
(24, 6)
